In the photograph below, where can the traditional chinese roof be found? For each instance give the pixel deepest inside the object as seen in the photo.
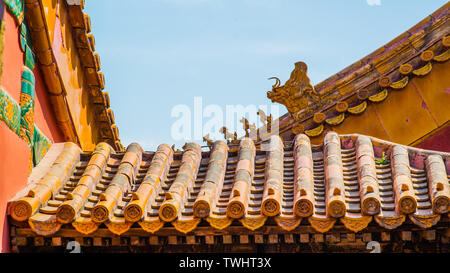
(351, 179)
(371, 80)
(90, 62)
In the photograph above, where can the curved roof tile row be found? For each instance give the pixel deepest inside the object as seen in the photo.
(353, 179)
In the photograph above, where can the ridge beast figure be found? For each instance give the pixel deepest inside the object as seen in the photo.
(297, 93)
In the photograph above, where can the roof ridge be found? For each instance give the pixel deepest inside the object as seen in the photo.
(430, 19)
(390, 67)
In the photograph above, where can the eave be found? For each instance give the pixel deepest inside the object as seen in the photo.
(90, 61)
(370, 80)
(352, 180)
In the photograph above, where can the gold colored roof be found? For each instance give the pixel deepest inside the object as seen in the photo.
(90, 62)
(370, 81)
(352, 179)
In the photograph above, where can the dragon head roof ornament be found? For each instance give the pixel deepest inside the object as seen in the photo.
(297, 93)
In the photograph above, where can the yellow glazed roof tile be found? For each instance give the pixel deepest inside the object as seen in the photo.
(412, 55)
(350, 178)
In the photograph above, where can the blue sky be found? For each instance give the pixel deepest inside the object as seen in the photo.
(156, 54)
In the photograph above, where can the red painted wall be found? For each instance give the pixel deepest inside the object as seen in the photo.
(14, 152)
(11, 81)
(14, 169)
(440, 141)
(12, 59)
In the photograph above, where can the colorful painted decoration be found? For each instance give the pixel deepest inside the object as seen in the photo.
(16, 8)
(27, 106)
(9, 111)
(41, 144)
(20, 117)
(29, 58)
(25, 45)
(23, 37)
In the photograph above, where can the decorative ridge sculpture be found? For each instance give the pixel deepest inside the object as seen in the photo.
(297, 93)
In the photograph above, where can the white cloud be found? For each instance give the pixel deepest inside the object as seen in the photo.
(374, 2)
